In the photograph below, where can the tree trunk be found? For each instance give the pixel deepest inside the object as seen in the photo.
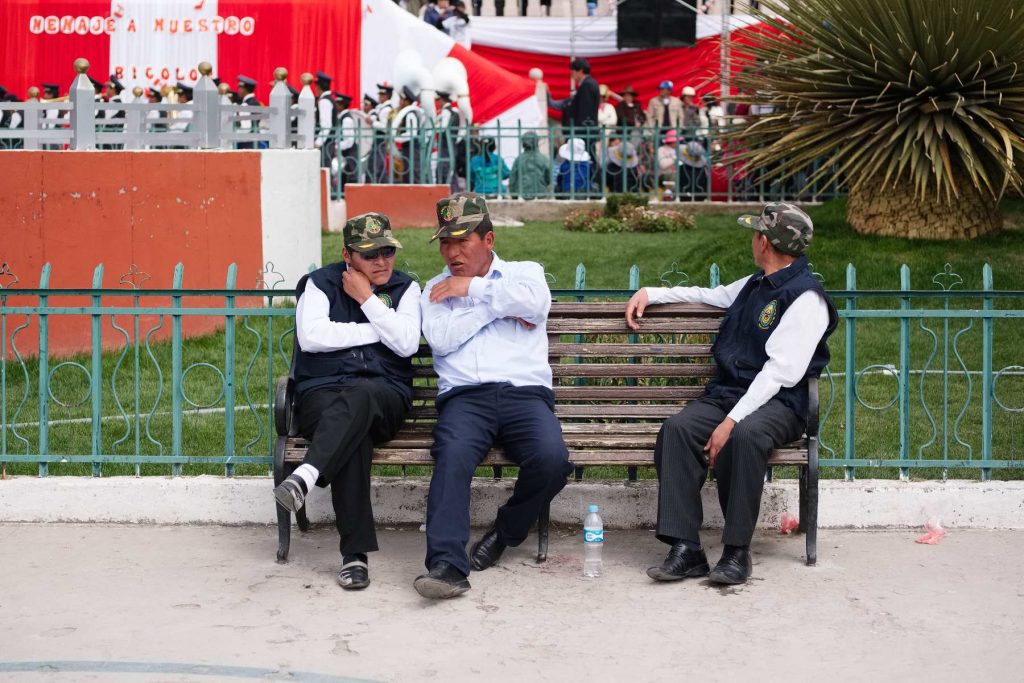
(899, 212)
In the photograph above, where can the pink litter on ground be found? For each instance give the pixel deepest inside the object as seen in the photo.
(788, 523)
(933, 533)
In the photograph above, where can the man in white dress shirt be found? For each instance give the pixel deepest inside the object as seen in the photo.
(486, 322)
(357, 325)
(772, 340)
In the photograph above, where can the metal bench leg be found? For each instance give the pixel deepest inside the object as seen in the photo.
(812, 502)
(803, 500)
(302, 519)
(284, 534)
(542, 533)
(284, 518)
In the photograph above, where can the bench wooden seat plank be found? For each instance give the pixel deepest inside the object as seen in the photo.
(613, 389)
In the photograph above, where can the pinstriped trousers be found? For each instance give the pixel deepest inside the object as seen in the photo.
(682, 466)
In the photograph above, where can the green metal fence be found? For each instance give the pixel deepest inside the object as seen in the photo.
(921, 382)
(684, 164)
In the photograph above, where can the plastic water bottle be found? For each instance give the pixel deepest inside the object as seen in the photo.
(593, 542)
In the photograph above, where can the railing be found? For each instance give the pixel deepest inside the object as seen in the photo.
(900, 397)
(685, 164)
(83, 123)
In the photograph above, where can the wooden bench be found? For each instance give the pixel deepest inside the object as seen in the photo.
(613, 389)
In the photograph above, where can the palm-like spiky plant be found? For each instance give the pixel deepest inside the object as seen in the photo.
(919, 104)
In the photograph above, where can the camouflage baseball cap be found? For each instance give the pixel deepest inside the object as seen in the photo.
(787, 227)
(459, 215)
(368, 232)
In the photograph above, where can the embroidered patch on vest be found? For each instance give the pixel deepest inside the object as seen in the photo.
(768, 313)
(385, 299)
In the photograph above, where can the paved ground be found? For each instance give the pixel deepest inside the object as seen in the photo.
(178, 603)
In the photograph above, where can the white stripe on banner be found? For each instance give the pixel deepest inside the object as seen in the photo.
(163, 41)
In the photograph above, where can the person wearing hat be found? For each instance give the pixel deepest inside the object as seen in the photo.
(183, 118)
(486, 322)
(665, 110)
(345, 147)
(11, 119)
(772, 340)
(51, 117)
(326, 117)
(628, 112)
(246, 91)
(606, 115)
(114, 94)
(450, 134)
(408, 122)
(357, 323)
(380, 121)
(694, 120)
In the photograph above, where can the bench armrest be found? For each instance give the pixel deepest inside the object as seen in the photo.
(283, 405)
(813, 407)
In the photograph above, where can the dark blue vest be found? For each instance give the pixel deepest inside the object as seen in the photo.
(740, 348)
(313, 370)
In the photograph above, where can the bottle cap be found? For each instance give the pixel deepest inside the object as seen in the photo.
(592, 508)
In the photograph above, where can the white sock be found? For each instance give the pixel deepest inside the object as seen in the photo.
(308, 474)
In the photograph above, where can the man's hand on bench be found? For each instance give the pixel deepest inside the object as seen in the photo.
(637, 303)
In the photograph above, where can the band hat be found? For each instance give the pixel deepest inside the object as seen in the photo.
(116, 82)
(342, 97)
(369, 100)
(246, 81)
(786, 226)
(460, 215)
(321, 77)
(183, 88)
(369, 231)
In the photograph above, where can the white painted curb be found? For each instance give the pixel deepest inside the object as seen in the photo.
(248, 500)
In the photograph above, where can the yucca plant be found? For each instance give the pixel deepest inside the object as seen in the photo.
(916, 105)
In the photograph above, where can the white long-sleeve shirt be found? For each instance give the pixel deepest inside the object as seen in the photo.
(475, 339)
(398, 329)
(790, 346)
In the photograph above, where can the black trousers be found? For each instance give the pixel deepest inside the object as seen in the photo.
(342, 424)
(742, 463)
(471, 420)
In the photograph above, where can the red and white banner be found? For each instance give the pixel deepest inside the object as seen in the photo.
(519, 44)
(153, 42)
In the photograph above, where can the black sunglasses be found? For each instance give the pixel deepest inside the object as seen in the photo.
(386, 252)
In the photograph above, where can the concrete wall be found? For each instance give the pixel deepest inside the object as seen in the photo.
(153, 209)
(408, 206)
(243, 500)
(290, 201)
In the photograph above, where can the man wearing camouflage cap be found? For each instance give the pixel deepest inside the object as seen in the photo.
(771, 341)
(486, 322)
(357, 323)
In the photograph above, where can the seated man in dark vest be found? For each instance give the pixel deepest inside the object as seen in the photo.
(771, 341)
(357, 324)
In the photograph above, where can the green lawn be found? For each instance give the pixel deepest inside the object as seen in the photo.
(715, 239)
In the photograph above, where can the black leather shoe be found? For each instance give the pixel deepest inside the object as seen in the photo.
(734, 567)
(486, 551)
(681, 563)
(442, 581)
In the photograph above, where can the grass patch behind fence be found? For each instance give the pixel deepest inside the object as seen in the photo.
(716, 238)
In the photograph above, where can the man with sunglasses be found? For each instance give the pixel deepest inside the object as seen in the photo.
(357, 324)
(486, 322)
(772, 339)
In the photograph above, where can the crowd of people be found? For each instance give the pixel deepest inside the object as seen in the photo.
(608, 141)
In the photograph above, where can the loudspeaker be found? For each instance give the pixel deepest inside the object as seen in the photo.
(656, 23)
